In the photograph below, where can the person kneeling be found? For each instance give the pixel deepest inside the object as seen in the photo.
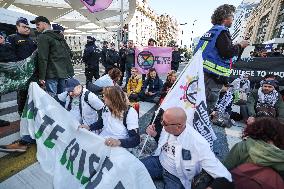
(118, 123)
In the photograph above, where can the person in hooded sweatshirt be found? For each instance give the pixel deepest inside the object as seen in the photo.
(54, 57)
(262, 144)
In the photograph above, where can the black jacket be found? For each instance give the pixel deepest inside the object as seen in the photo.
(155, 85)
(91, 56)
(22, 45)
(225, 46)
(7, 54)
(130, 58)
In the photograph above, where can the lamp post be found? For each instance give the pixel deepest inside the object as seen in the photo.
(183, 24)
(191, 39)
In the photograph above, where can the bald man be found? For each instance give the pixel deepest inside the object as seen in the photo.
(181, 154)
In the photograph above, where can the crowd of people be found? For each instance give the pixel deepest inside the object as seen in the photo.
(183, 158)
(276, 52)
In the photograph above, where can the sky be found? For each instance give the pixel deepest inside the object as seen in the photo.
(186, 11)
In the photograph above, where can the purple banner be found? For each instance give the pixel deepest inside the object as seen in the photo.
(96, 5)
(153, 57)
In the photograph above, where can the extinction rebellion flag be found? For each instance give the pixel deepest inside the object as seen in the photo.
(14, 75)
(153, 57)
(96, 5)
(189, 94)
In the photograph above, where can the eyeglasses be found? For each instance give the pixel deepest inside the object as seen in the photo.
(168, 125)
(25, 27)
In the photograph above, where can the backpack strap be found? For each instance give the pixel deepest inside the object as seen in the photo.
(125, 117)
(87, 100)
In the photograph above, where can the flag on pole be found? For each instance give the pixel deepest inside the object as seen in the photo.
(96, 5)
(189, 94)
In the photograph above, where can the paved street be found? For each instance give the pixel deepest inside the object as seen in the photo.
(226, 138)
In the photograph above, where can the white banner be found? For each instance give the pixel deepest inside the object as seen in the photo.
(189, 94)
(77, 158)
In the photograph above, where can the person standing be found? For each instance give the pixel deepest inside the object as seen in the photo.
(6, 55)
(122, 58)
(104, 55)
(112, 57)
(54, 57)
(176, 59)
(218, 52)
(23, 46)
(130, 59)
(91, 58)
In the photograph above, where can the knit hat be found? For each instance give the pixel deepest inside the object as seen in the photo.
(274, 83)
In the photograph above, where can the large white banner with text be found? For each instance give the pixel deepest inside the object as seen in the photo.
(77, 158)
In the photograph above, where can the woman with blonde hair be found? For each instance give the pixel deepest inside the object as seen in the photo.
(118, 122)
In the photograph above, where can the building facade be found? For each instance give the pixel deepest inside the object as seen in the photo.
(266, 22)
(168, 30)
(143, 24)
(243, 11)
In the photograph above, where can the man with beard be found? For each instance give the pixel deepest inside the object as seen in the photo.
(218, 52)
(265, 101)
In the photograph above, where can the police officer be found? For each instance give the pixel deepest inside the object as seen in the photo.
(218, 52)
(104, 55)
(112, 57)
(21, 42)
(122, 57)
(91, 58)
(176, 58)
(6, 55)
(6, 52)
(23, 46)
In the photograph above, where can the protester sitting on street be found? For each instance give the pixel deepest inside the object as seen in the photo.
(171, 79)
(152, 86)
(134, 85)
(241, 89)
(108, 80)
(222, 110)
(262, 145)
(71, 99)
(82, 103)
(182, 153)
(119, 122)
(265, 101)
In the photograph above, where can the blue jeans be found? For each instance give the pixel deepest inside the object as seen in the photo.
(156, 171)
(55, 86)
(27, 139)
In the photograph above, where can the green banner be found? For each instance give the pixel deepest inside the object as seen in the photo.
(14, 75)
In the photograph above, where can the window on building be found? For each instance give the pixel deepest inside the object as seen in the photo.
(261, 32)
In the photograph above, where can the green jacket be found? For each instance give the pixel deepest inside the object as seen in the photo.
(54, 56)
(255, 151)
(252, 100)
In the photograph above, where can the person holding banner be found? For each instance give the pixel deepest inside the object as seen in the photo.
(118, 123)
(82, 103)
(182, 153)
(218, 52)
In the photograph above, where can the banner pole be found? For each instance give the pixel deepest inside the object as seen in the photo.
(157, 111)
